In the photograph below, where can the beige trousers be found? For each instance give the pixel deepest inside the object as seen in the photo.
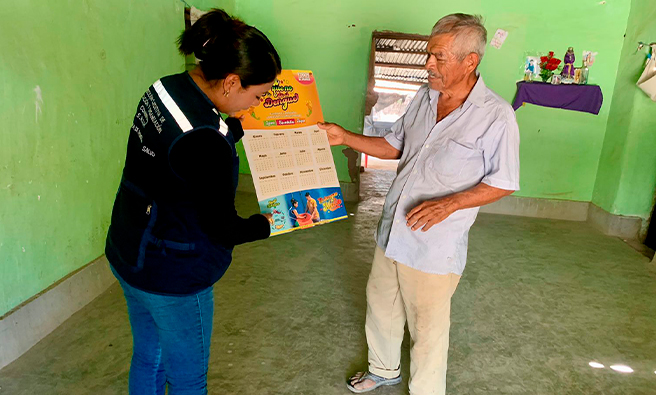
(395, 293)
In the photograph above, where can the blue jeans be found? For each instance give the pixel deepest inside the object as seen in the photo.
(171, 341)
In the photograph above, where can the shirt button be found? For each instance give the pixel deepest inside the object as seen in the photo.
(427, 145)
(396, 222)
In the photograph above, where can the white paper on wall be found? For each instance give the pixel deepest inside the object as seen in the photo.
(499, 38)
(195, 14)
(647, 81)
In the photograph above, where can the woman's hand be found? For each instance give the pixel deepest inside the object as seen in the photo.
(240, 117)
(269, 216)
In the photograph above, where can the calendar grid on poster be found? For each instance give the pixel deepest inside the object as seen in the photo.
(258, 142)
(323, 155)
(263, 162)
(327, 176)
(290, 160)
(289, 181)
(300, 139)
(308, 179)
(303, 157)
(280, 140)
(319, 138)
(285, 160)
(268, 185)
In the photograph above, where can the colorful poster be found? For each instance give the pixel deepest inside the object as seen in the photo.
(290, 158)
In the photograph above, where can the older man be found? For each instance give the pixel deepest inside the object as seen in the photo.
(458, 145)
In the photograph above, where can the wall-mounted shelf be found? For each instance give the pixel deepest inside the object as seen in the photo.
(584, 98)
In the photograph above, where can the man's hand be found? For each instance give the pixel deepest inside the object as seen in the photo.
(374, 146)
(432, 212)
(269, 216)
(429, 213)
(336, 134)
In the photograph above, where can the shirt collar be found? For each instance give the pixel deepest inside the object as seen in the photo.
(476, 96)
(478, 93)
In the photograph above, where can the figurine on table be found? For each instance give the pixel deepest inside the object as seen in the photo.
(568, 69)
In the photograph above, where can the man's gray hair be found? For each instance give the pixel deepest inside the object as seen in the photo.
(469, 34)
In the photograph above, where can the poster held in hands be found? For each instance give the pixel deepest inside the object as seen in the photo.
(289, 156)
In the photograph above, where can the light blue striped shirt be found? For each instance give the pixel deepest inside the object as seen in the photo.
(477, 142)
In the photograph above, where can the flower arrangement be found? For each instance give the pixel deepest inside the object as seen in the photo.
(548, 64)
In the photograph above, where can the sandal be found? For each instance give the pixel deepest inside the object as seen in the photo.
(378, 382)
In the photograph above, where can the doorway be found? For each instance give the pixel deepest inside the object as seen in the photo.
(396, 72)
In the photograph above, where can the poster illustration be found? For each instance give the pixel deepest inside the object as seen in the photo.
(290, 158)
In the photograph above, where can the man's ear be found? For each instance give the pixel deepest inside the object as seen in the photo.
(471, 61)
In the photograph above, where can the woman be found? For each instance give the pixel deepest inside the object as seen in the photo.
(293, 213)
(174, 222)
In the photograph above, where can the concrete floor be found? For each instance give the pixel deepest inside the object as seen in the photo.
(539, 300)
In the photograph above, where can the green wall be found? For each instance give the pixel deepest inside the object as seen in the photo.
(229, 6)
(560, 149)
(627, 170)
(60, 167)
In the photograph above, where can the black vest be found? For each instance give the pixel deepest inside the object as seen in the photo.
(155, 241)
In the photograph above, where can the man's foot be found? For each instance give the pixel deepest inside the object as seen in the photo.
(359, 383)
(367, 381)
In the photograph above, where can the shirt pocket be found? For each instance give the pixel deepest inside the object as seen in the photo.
(449, 160)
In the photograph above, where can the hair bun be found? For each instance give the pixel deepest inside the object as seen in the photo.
(226, 45)
(212, 27)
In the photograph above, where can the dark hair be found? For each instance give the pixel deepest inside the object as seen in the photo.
(226, 45)
(307, 193)
(293, 201)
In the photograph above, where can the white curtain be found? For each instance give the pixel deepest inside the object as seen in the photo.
(647, 81)
(195, 14)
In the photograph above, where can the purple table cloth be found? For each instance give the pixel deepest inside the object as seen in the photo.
(585, 98)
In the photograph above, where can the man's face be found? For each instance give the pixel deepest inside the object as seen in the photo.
(444, 68)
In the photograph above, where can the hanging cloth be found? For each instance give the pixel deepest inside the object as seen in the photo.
(647, 81)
